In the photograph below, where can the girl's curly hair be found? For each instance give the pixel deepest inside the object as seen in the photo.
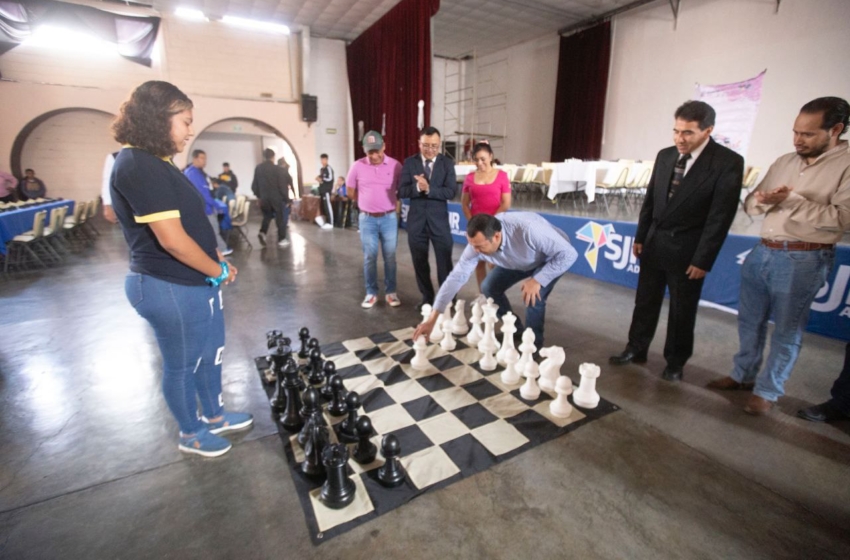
(144, 120)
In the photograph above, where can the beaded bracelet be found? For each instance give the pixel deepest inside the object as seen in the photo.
(225, 272)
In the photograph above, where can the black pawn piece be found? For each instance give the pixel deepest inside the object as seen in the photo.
(337, 406)
(316, 377)
(391, 473)
(330, 371)
(365, 451)
(338, 490)
(348, 428)
(318, 438)
(303, 335)
(309, 403)
(313, 343)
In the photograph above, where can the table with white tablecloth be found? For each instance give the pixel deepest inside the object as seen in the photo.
(573, 175)
(463, 170)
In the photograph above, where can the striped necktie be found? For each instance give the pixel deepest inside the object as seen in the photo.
(428, 163)
(678, 174)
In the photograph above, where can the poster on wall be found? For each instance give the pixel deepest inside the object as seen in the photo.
(737, 106)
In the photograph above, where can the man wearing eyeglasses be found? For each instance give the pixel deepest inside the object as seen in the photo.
(428, 180)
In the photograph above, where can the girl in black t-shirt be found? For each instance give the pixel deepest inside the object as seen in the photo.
(176, 272)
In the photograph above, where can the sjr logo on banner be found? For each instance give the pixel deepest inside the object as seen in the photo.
(619, 247)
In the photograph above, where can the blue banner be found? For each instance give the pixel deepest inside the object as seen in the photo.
(605, 253)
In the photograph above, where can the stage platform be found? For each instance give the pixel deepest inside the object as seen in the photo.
(604, 236)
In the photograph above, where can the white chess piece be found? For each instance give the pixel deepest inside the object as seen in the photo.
(561, 407)
(459, 325)
(426, 312)
(530, 390)
(475, 333)
(508, 330)
(511, 376)
(491, 304)
(586, 395)
(419, 360)
(437, 331)
(550, 368)
(527, 348)
(486, 346)
(448, 344)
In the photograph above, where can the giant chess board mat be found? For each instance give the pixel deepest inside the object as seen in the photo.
(453, 420)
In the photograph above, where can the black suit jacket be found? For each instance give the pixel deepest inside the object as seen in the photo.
(690, 228)
(271, 183)
(428, 208)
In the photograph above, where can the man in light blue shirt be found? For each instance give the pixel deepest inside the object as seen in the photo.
(522, 246)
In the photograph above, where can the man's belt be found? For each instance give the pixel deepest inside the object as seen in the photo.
(376, 214)
(795, 245)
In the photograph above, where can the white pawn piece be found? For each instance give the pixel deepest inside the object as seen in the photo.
(491, 304)
(586, 395)
(511, 375)
(419, 360)
(527, 348)
(437, 332)
(550, 368)
(459, 325)
(487, 345)
(475, 333)
(448, 344)
(530, 390)
(426, 312)
(561, 407)
(508, 330)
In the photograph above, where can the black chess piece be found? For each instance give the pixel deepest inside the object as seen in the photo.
(330, 370)
(337, 406)
(309, 403)
(391, 473)
(338, 490)
(279, 360)
(365, 451)
(304, 434)
(291, 418)
(316, 362)
(318, 438)
(303, 335)
(312, 343)
(272, 337)
(348, 427)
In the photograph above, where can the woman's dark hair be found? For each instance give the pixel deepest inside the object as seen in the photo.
(483, 223)
(483, 147)
(144, 120)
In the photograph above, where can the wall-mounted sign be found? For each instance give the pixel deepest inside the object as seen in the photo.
(330, 131)
(237, 128)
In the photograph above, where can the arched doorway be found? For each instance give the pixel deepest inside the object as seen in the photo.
(240, 142)
(67, 149)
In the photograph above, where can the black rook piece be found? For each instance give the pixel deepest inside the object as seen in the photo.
(338, 490)
(317, 440)
(330, 371)
(365, 451)
(303, 335)
(391, 472)
(337, 406)
(348, 428)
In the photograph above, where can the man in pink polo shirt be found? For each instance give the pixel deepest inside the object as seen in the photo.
(373, 183)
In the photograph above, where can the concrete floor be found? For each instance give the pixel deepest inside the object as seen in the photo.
(89, 466)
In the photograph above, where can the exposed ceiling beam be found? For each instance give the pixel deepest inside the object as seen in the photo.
(587, 23)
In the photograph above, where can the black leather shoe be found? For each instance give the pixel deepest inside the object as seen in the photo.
(824, 412)
(627, 357)
(671, 374)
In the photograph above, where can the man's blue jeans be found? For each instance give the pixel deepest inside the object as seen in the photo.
(381, 231)
(781, 284)
(499, 280)
(188, 322)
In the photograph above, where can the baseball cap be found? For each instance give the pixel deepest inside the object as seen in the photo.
(372, 141)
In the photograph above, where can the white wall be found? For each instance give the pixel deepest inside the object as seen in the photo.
(654, 67)
(329, 82)
(242, 151)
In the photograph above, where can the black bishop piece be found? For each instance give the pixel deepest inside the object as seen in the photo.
(291, 417)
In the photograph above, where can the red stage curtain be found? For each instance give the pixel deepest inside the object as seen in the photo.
(580, 97)
(389, 71)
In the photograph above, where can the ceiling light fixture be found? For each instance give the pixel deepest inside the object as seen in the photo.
(191, 14)
(256, 24)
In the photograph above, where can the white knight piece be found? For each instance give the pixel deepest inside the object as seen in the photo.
(550, 368)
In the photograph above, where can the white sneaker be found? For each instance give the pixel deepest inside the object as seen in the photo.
(327, 226)
(283, 243)
(227, 251)
(369, 302)
(393, 301)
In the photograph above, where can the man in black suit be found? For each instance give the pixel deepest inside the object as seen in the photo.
(428, 179)
(271, 185)
(690, 203)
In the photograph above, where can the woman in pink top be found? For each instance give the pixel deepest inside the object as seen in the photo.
(487, 191)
